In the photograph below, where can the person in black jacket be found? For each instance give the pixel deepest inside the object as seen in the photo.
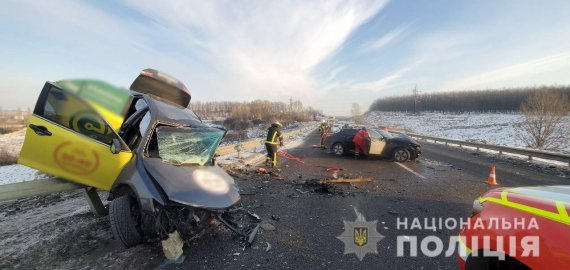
(324, 129)
(273, 134)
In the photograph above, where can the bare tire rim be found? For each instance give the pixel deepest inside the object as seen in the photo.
(401, 155)
(338, 149)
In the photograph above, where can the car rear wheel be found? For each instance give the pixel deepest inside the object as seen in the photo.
(123, 215)
(338, 149)
(401, 155)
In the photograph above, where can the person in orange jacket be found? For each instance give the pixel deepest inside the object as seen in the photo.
(360, 140)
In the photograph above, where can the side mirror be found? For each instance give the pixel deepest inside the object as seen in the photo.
(115, 146)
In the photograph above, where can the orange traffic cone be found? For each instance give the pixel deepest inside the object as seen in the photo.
(492, 179)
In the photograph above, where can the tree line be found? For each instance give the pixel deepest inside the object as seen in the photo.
(501, 100)
(241, 115)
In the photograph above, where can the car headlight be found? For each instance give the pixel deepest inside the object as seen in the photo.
(211, 182)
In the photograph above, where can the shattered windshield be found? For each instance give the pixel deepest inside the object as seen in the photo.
(184, 145)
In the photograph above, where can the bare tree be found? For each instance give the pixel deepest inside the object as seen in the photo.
(543, 124)
(356, 113)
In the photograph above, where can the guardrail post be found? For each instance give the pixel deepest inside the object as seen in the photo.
(529, 157)
(500, 153)
(94, 201)
(238, 149)
(477, 149)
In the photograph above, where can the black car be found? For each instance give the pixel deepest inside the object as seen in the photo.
(399, 147)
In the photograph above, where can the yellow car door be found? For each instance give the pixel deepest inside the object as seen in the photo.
(66, 137)
(377, 143)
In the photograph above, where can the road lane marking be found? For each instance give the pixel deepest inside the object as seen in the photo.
(410, 170)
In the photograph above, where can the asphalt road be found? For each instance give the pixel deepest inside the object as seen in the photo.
(307, 219)
(442, 184)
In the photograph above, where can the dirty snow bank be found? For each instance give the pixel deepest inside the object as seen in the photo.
(57, 231)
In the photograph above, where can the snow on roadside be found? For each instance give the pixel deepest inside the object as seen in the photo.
(492, 128)
(19, 173)
(290, 142)
(12, 142)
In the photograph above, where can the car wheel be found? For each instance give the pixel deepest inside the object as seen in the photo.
(338, 149)
(123, 214)
(401, 155)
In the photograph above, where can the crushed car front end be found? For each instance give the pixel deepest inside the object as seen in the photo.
(171, 180)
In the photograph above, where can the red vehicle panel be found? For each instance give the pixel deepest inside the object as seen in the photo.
(530, 225)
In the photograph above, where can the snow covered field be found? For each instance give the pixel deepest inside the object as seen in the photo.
(492, 128)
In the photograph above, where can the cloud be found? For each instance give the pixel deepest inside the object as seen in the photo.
(386, 82)
(385, 39)
(224, 50)
(334, 72)
(262, 47)
(509, 75)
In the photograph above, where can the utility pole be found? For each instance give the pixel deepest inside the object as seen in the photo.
(416, 97)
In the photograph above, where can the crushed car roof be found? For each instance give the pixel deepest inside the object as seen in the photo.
(170, 113)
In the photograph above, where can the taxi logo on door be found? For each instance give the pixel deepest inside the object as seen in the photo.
(76, 158)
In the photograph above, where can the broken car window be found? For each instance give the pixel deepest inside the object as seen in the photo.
(184, 145)
(67, 110)
(385, 134)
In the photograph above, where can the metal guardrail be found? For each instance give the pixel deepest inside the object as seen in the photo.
(236, 148)
(501, 149)
(35, 188)
(50, 185)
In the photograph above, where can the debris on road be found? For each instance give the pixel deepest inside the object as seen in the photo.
(172, 247)
(392, 212)
(359, 179)
(267, 227)
(253, 234)
(288, 156)
(254, 215)
(268, 247)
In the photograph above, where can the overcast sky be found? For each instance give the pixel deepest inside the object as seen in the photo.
(327, 54)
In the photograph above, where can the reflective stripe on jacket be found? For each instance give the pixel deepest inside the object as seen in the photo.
(273, 134)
